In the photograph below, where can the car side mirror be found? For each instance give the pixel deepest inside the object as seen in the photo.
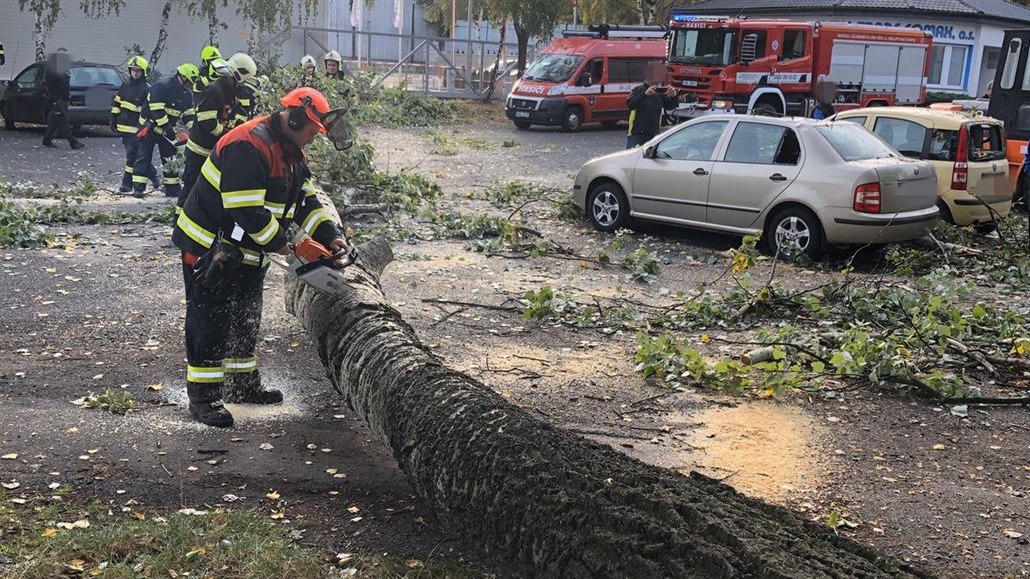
(649, 153)
(584, 80)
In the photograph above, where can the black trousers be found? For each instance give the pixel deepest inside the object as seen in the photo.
(131, 144)
(144, 166)
(190, 173)
(221, 331)
(57, 123)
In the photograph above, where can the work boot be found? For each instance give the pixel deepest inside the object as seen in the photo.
(211, 414)
(78, 145)
(49, 144)
(246, 389)
(138, 191)
(126, 186)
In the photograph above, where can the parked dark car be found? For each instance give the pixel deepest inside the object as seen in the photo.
(93, 86)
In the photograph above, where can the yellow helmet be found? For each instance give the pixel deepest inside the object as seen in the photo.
(189, 71)
(332, 55)
(138, 62)
(209, 53)
(308, 61)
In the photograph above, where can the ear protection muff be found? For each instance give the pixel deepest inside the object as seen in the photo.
(297, 119)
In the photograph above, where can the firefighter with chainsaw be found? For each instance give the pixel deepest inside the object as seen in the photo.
(253, 186)
(214, 112)
(170, 103)
(210, 58)
(126, 118)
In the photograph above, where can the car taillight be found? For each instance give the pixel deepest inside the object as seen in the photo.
(960, 174)
(867, 198)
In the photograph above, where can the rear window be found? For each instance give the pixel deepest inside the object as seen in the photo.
(986, 143)
(853, 142)
(86, 76)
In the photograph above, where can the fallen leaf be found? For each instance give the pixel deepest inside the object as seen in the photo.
(1012, 534)
(71, 430)
(343, 557)
(353, 509)
(328, 470)
(278, 515)
(199, 552)
(266, 446)
(12, 456)
(191, 512)
(76, 565)
(49, 532)
(155, 387)
(272, 496)
(414, 563)
(11, 485)
(18, 501)
(939, 447)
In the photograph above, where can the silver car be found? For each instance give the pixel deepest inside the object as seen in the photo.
(799, 183)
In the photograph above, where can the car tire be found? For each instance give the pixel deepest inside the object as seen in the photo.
(8, 123)
(945, 212)
(986, 228)
(794, 230)
(572, 120)
(607, 207)
(522, 125)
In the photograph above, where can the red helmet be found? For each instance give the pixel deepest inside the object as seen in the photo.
(314, 104)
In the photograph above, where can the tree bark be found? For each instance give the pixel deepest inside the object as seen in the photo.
(536, 500)
(39, 35)
(497, 63)
(162, 35)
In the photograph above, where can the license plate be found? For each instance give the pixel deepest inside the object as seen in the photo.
(521, 115)
(690, 83)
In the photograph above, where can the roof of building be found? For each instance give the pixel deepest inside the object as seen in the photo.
(996, 10)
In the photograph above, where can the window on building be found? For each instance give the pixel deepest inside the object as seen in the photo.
(947, 66)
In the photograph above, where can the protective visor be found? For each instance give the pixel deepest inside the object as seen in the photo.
(335, 126)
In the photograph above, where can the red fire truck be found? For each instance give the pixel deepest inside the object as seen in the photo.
(771, 66)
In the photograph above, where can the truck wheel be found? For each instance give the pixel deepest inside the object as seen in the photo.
(793, 231)
(572, 120)
(522, 125)
(607, 207)
(765, 110)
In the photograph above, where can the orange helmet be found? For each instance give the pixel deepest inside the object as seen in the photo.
(329, 121)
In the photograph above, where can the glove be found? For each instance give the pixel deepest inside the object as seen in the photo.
(217, 268)
(169, 133)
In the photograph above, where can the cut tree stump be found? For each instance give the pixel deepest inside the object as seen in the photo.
(538, 501)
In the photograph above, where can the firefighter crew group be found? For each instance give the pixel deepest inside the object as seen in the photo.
(194, 107)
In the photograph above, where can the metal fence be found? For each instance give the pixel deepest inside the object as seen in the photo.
(443, 67)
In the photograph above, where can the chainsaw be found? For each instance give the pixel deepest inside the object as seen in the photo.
(313, 264)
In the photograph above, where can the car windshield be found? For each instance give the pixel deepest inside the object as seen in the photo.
(553, 67)
(853, 142)
(87, 76)
(714, 47)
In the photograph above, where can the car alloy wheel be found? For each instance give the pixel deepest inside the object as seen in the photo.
(796, 231)
(607, 207)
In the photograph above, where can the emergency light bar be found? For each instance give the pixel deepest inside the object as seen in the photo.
(702, 18)
(606, 31)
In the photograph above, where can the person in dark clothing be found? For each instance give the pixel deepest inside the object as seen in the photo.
(171, 102)
(825, 93)
(3, 57)
(58, 77)
(255, 184)
(214, 113)
(126, 119)
(645, 103)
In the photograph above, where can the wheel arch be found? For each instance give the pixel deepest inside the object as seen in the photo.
(770, 95)
(779, 206)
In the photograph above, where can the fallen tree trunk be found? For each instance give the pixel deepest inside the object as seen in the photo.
(537, 500)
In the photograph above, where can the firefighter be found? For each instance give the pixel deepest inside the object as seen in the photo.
(246, 107)
(126, 118)
(254, 185)
(58, 78)
(171, 102)
(208, 71)
(334, 65)
(214, 111)
(308, 65)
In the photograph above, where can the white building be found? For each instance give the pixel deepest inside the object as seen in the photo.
(967, 34)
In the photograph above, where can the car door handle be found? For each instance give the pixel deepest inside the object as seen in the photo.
(777, 177)
(700, 172)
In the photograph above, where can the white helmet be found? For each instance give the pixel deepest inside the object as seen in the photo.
(308, 61)
(242, 66)
(332, 55)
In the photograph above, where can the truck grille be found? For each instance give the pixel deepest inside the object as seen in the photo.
(523, 104)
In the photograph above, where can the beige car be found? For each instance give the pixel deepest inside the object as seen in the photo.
(800, 183)
(968, 153)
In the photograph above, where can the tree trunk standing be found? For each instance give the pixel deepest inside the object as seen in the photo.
(162, 35)
(537, 500)
(522, 36)
(497, 62)
(40, 37)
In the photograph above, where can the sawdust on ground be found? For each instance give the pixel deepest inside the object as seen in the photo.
(762, 449)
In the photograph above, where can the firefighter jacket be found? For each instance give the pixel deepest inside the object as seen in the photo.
(170, 103)
(213, 114)
(206, 77)
(252, 186)
(246, 104)
(127, 108)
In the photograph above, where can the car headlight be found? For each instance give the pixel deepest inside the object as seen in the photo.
(558, 90)
(722, 104)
